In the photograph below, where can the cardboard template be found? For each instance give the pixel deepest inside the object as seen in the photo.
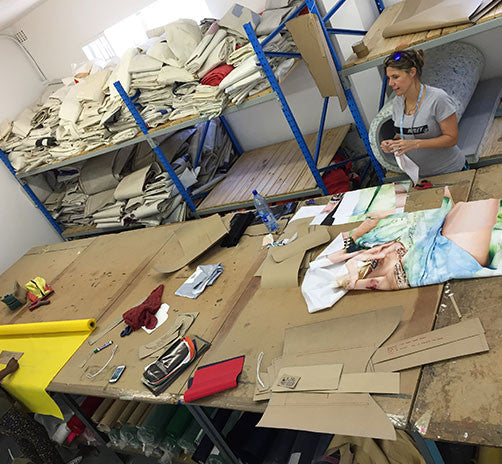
(424, 15)
(300, 245)
(466, 337)
(309, 38)
(193, 239)
(321, 377)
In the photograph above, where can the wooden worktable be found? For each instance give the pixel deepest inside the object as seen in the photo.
(463, 396)
(104, 276)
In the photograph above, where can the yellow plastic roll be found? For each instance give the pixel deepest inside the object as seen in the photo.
(489, 455)
(46, 348)
(40, 328)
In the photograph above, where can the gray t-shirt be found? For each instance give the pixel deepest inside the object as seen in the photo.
(436, 106)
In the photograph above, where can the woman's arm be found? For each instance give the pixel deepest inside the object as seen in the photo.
(448, 138)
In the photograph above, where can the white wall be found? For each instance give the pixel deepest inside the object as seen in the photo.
(23, 225)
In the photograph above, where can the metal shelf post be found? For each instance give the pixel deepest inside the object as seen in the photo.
(31, 194)
(163, 160)
(356, 114)
(285, 107)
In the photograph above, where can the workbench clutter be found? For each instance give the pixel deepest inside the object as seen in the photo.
(403, 250)
(39, 361)
(37, 291)
(182, 70)
(329, 371)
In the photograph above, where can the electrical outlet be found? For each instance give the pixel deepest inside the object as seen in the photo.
(21, 36)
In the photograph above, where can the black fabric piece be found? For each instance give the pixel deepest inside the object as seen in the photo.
(113, 118)
(322, 446)
(305, 445)
(257, 444)
(280, 449)
(237, 437)
(238, 226)
(206, 445)
(46, 142)
(30, 436)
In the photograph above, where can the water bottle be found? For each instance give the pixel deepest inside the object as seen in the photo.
(264, 212)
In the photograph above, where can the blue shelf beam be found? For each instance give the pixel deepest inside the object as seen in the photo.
(163, 160)
(385, 81)
(356, 114)
(335, 30)
(265, 65)
(331, 12)
(233, 138)
(31, 194)
(321, 129)
(201, 144)
(380, 5)
(284, 54)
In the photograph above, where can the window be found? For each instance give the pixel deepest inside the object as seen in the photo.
(131, 31)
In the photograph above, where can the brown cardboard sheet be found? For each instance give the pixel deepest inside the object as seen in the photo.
(191, 240)
(345, 413)
(300, 245)
(281, 275)
(309, 38)
(466, 337)
(310, 378)
(423, 15)
(370, 382)
(6, 356)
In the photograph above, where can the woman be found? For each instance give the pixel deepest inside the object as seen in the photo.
(424, 118)
(30, 436)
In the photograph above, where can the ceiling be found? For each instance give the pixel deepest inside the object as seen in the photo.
(12, 10)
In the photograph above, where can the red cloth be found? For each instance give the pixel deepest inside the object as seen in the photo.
(76, 426)
(337, 180)
(144, 314)
(214, 378)
(215, 76)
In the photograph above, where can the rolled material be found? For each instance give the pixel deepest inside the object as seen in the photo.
(101, 411)
(152, 430)
(38, 328)
(110, 418)
(456, 68)
(126, 413)
(178, 423)
(134, 418)
(360, 49)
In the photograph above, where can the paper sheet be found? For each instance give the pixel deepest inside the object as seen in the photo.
(307, 211)
(47, 346)
(409, 167)
(161, 315)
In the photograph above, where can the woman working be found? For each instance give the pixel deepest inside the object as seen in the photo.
(424, 117)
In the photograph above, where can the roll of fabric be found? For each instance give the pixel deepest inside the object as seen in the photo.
(133, 185)
(456, 68)
(247, 68)
(215, 76)
(218, 56)
(199, 57)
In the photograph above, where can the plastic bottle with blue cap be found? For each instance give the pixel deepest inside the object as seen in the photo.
(264, 212)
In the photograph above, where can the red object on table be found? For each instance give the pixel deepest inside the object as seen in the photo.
(144, 314)
(215, 76)
(214, 378)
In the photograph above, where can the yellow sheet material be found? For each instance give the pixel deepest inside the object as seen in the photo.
(47, 346)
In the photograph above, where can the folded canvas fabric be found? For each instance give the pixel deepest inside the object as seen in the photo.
(91, 89)
(121, 72)
(22, 125)
(237, 16)
(245, 69)
(98, 201)
(219, 55)
(170, 75)
(271, 20)
(160, 51)
(183, 36)
(144, 63)
(214, 36)
(133, 185)
(97, 174)
(423, 15)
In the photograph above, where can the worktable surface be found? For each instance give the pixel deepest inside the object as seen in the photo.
(104, 276)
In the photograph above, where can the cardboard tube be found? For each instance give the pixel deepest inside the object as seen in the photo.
(136, 415)
(126, 413)
(110, 418)
(102, 409)
(145, 415)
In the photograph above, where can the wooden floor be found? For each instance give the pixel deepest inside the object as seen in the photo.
(275, 170)
(380, 46)
(492, 146)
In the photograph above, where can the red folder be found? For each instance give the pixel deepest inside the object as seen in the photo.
(214, 378)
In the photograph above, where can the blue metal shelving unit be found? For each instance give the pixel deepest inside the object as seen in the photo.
(262, 55)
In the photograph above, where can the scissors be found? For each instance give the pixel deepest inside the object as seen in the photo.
(427, 184)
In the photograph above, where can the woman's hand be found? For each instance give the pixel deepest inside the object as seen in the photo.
(386, 146)
(400, 147)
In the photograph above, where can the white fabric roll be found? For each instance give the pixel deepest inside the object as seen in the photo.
(247, 68)
(183, 36)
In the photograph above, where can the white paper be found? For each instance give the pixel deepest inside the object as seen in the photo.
(307, 211)
(408, 166)
(161, 315)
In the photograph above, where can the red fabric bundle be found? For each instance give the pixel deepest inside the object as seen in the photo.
(215, 76)
(144, 314)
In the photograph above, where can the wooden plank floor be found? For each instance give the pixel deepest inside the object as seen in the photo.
(492, 146)
(273, 170)
(380, 46)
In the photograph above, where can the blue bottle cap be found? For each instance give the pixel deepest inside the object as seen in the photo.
(255, 192)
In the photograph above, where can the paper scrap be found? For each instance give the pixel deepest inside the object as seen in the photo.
(408, 166)
(161, 315)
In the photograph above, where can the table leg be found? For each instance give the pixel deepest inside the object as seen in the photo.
(427, 448)
(214, 434)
